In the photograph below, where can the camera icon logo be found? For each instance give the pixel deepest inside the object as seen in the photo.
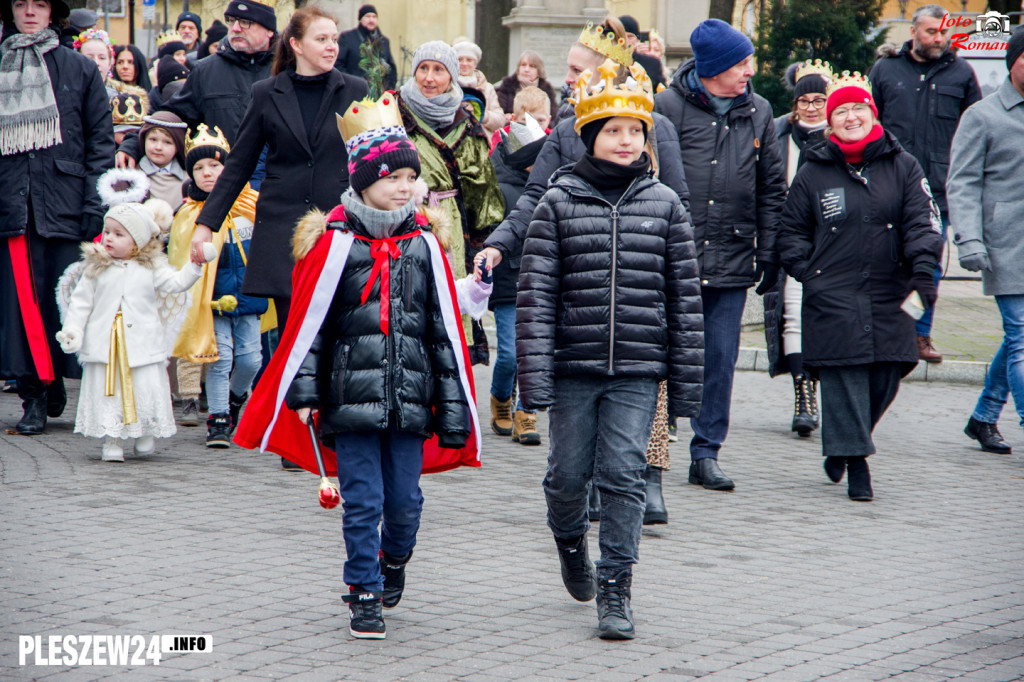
(992, 23)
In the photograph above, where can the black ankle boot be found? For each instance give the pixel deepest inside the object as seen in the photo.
(393, 570)
(594, 504)
(707, 473)
(654, 512)
(235, 403)
(988, 436)
(859, 479)
(835, 467)
(56, 398)
(33, 401)
(803, 420)
(614, 614)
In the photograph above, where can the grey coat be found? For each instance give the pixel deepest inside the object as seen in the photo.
(984, 188)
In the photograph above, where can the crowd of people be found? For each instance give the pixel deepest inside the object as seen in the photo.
(340, 234)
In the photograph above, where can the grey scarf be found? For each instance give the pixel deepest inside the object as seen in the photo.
(29, 118)
(379, 224)
(439, 111)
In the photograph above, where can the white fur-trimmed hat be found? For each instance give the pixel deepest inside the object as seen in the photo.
(142, 221)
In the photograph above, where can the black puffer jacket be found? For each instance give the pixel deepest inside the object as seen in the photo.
(611, 291)
(361, 379)
(924, 122)
(564, 146)
(853, 239)
(59, 182)
(736, 178)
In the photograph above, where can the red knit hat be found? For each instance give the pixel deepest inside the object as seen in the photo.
(849, 89)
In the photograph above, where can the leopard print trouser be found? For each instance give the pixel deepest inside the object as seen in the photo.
(657, 446)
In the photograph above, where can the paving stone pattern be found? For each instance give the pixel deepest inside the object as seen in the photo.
(783, 579)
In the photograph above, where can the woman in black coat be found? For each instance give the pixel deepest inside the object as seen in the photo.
(293, 113)
(529, 71)
(861, 232)
(49, 203)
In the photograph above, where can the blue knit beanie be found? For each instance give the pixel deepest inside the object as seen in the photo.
(717, 46)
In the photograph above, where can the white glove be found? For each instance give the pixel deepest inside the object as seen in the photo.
(209, 252)
(70, 339)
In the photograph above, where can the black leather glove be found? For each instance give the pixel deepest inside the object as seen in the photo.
(924, 285)
(767, 274)
(92, 225)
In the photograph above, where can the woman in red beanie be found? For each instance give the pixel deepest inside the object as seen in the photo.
(861, 232)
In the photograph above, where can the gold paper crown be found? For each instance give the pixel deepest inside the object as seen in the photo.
(130, 106)
(168, 37)
(203, 137)
(605, 99)
(369, 115)
(846, 80)
(605, 42)
(819, 67)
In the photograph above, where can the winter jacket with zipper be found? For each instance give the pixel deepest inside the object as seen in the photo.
(347, 62)
(231, 272)
(564, 146)
(853, 237)
(216, 92)
(610, 291)
(736, 177)
(59, 182)
(303, 172)
(361, 379)
(923, 110)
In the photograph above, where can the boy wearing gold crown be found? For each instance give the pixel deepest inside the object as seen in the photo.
(374, 348)
(608, 306)
(222, 326)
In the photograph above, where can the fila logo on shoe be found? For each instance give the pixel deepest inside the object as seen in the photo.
(366, 596)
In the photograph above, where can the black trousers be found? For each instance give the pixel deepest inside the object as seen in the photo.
(853, 400)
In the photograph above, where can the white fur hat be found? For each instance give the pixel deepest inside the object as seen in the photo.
(143, 221)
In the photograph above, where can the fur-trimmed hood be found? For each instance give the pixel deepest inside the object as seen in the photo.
(313, 225)
(96, 258)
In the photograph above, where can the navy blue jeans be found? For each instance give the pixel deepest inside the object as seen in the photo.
(1006, 373)
(723, 315)
(379, 473)
(598, 431)
(503, 380)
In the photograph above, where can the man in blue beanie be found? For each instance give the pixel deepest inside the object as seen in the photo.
(727, 131)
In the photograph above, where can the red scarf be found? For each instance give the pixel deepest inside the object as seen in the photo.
(383, 250)
(854, 151)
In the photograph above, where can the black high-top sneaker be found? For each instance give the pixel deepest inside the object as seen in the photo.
(366, 620)
(614, 615)
(218, 431)
(235, 403)
(578, 573)
(393, 570)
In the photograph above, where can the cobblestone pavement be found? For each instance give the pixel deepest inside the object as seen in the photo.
(785, 578)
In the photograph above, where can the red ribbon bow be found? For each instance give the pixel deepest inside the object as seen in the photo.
(383, 250)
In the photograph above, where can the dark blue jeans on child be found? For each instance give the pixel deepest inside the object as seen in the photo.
(599, 427)
(379, 476)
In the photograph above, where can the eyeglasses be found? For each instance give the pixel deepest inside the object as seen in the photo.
(244, 23)
(843, 112)
(817, 103)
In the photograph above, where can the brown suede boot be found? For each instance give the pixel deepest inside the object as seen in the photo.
(524, 429)
(501, 416)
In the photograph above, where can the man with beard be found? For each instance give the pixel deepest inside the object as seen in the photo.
(350, 41)
(921, 90)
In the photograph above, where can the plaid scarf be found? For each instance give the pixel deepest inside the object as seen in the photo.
(28, 110)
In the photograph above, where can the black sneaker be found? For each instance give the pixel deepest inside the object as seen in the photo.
(366, 621)
(218, 431)
(614, 615)
(235, 403)
(578, 573)
(393, 570)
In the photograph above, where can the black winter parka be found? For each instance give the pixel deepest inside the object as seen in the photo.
(610, 291)
(303, 172)
(923, 110)
(736, 177)
(361, 379)
(60, 181)
(563, 146)
(854, 236)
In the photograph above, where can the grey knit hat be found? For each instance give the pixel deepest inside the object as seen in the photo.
(438, 51)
